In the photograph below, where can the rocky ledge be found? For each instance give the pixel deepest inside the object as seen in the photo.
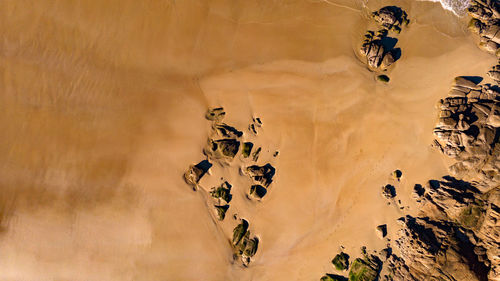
(486, 23)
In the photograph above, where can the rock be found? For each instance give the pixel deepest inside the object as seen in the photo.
(382, 230)
(397, 174)
(365, 269)
(258, 191)
(377, 56)
(227, 131)
(486, 23)
(247, 149)
(239, 231)
(244, 246)
(256, 154)
(221, 211)
(215, 114)
(383, 78)
(222, 192)
(388, 191)
(261, 174)
(465, 82)
(467, 127)
(223, 148)
(195, 172)
(494, 73)
(434, 249)
(391, 17)
(341, 261)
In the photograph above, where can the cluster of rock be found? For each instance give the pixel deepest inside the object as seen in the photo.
(224, 144)
(378, 48)
(244, 247)
(262, 177)
(223, 196)
(486, 23)
(467, 130)
(366, 268)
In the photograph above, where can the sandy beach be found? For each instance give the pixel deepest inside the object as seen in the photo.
(103, 106)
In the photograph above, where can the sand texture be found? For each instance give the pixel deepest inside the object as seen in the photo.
(106, 124)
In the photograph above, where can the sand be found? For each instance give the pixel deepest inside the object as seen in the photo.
(103, 107)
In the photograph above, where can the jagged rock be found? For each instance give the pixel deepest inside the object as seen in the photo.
(391, 17)
(378, 56)
(215, 114)
(258, 191)
(239, 231)
(341, 261)
(227, 131)
(467, 129)
(365, 269)
(223, 148)
(494, 73)
(247, 149)
(195, 172)
(486, 23)
(436, 249)
(388, 191)
(256, 154)
(222, 192)
(261, 174)
(221, 211)
(256, 123)
(244, 246)
(382, 230)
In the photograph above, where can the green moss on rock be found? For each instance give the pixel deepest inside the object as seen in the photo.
(341, 261)
(247, 149)
(366, 269)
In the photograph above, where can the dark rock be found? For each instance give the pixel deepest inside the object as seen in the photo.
(247, 148)
(382, 230)
(389, 191)
(195, 172)
(261, 174)
(341, 261)
(258, 191)
(365, 269)
(222, 192)
(221, 211)
(215, 114)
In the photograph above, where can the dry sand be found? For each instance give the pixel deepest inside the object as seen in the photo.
(102, 107)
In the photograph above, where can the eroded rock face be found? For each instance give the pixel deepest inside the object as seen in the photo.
(379, 48)
(391, 17)
(244, 246)
(486, 23)
(195, 172)
(365, 269)
(456, 234)
(467, 130)
(436, 250)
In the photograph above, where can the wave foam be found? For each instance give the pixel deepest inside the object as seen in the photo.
(458, 7)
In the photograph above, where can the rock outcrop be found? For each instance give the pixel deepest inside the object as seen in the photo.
(244, 247)
(467, 131)
(378, 47)
(486, 23)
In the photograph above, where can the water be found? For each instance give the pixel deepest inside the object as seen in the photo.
(458, 7)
